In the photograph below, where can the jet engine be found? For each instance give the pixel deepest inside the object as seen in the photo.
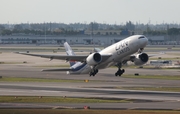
(93, 59)
(141, 59)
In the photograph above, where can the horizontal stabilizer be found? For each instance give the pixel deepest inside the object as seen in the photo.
(67, 69)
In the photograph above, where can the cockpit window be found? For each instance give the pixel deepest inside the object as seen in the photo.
(141, 37)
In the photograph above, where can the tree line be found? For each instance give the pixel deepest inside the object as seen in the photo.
(78, 29)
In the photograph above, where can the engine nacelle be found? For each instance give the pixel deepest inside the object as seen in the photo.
(141, 59)
(93, 59)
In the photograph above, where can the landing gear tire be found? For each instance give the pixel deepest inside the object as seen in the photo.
(119, 72)
(93, 73)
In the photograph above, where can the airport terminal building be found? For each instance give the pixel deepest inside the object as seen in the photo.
(75, 39)
(79, 39)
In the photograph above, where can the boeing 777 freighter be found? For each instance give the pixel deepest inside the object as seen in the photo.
(129, 49)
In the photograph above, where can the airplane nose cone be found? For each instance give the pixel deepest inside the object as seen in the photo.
(144, 41)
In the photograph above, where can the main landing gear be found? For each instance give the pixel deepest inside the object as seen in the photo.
(93, 72)
(119, 72)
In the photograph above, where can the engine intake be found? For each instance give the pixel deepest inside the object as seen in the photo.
(93, 59)
(141, 59)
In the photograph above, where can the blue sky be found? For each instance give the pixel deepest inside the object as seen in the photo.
(86, 11)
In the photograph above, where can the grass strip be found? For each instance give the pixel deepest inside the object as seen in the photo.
(23, 99)
(80, 111)
(13, 62)
(17, 79)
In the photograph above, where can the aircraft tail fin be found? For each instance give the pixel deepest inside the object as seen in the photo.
(69, 52)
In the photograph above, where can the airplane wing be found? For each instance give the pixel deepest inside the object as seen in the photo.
(140, 60)
(161, 53)
(132, 57)
(105, 57)
(61, 57)
(81, 58)
(65, 69)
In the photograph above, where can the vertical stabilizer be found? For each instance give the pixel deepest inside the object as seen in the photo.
(69, 52)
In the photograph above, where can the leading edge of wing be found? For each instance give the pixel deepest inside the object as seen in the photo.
(61, 57)
(105, 56)
(153, 55)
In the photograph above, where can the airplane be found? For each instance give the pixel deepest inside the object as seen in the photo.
(128, 49)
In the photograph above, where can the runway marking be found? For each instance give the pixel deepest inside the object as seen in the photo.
(64, 107)
(48, 91)
(133, 108)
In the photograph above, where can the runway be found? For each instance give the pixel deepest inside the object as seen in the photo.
(142, 99)
(103, 85)
(81, 90)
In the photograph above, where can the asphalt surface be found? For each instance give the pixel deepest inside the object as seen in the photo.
(142, 99)
(74, 90)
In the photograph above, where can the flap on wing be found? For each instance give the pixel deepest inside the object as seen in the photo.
(67, 69)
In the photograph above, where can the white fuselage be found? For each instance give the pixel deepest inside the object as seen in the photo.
(119, 52)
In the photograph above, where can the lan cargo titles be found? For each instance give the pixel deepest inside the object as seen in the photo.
(129, 49)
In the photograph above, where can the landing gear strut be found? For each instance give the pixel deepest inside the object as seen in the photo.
(140, 50)
(93, 72)
(119, 72)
